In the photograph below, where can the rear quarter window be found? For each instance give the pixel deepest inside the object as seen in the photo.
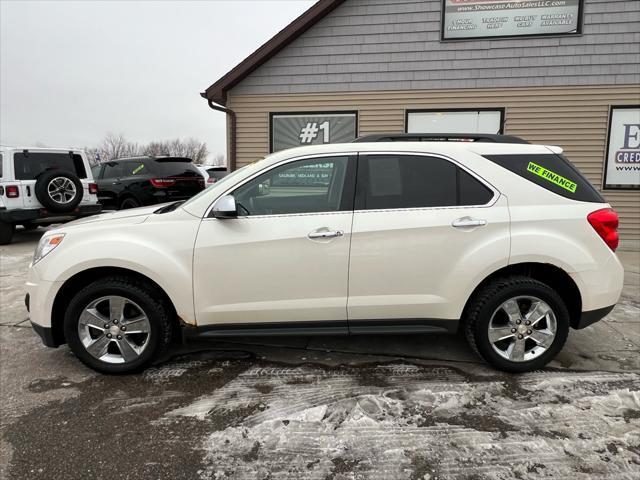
(29, 165)
(552, 172)
(176, 169)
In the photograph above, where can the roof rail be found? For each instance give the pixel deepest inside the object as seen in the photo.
(439, 137)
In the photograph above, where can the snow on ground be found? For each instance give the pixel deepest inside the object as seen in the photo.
(412, 422)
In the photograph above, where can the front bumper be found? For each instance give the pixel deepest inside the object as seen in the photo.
(46, 334)
(44, 215)
(39, 303)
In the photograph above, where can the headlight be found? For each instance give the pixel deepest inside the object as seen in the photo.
(46, 245)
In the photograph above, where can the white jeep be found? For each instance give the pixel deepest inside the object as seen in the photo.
(41, 186)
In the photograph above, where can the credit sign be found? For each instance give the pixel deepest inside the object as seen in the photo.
(622, 165)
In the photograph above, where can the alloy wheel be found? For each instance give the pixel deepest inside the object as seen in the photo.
(522, 328)
(114, 329)
(61, 190)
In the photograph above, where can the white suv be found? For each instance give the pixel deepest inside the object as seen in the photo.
(500, 239)
(41, 186)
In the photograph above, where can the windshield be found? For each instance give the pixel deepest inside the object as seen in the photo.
(224, 181)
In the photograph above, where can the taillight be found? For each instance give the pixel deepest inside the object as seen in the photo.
(211, 180)
(12, 191)
(93, 189)
(162, 182)
(605, 223)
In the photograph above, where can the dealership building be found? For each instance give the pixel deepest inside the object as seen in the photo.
(561, 72)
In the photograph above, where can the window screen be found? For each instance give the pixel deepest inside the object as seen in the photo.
(112, 170)
(132, 169)
(552, 172)
(406, 181)
(471, 191)
(31, 164)
(298, 187)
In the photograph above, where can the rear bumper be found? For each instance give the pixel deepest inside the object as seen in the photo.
(42, 214)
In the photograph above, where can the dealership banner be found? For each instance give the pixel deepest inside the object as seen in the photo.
(622, 165)
(299, 129)
(507, 18)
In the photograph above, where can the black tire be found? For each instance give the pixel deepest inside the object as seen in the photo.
(157, 311)
(44, 196)
(128, 202)
(30, 226)
(482, 306)
(6, 232)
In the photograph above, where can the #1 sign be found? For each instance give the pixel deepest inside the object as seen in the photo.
(622, 164)
(289, 130)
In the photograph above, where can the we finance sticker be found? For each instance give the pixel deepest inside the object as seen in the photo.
(552, 177)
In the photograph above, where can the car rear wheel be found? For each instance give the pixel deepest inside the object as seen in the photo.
(117, 325)
(517, 324)
(129, 202)
(6, 232)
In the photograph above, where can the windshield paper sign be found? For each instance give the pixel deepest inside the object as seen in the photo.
(552, 177)
(623, 156)
(500, 18)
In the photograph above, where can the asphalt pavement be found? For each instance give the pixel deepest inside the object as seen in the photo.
(368, 407)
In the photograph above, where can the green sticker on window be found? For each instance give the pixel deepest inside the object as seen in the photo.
(137, 169)
(552, 177)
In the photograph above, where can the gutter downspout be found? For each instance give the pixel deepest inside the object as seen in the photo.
(232, 132)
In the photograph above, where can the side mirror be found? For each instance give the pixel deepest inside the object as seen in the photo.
(225, 207)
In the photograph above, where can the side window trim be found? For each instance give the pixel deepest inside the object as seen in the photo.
(348, 192)
(360, 189)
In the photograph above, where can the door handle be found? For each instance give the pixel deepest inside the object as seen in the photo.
(326, 233)
(468, 222)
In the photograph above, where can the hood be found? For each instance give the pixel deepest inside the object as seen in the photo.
(142, 213)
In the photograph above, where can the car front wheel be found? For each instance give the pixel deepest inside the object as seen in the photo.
(117, 325)
(517, 324)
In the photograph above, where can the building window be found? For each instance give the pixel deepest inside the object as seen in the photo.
(471, 19)
(288, 130)
(622, 161)
(455, 121)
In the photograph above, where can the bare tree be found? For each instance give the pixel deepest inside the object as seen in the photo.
(117, 146)
(218, 160)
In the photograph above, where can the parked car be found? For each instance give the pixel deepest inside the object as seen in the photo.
(141, 181)
(41, 186)
(504, 240)
(212, 174)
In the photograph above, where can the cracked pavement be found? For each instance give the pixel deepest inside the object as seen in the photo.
(371, 407)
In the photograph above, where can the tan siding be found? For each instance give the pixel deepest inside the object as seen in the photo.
(573, 117)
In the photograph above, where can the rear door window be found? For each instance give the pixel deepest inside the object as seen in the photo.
(112, 170)
(416, 181)
(552, 172)
(28, 165)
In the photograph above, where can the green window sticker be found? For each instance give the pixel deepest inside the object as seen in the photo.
(137, 169)
(552, 177)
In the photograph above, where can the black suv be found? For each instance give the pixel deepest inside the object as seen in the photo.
(138, 181)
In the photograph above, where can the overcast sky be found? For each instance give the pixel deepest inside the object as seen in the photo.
(72, 71)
